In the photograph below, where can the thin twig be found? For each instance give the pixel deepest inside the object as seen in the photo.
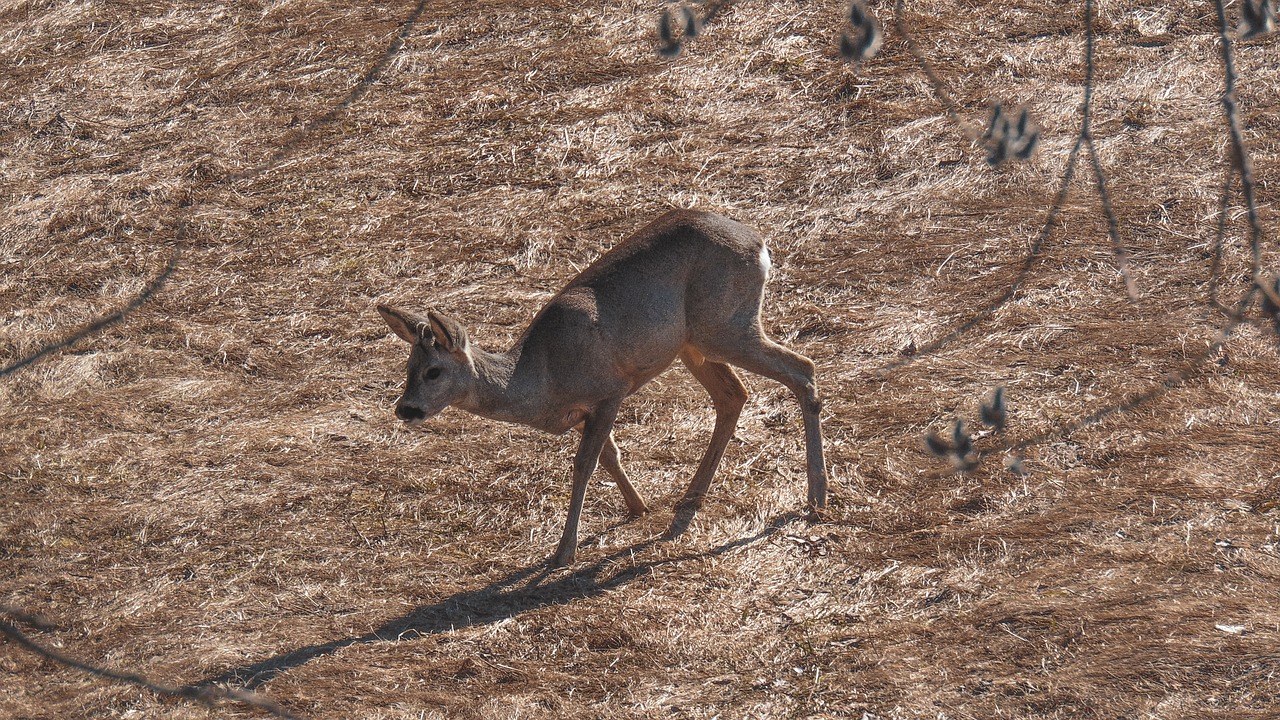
(1215, 268)
(1113, 224)
(1084, 137)
(999, 301)
(1235, 316)
(203, 694)
(1086, 132)
(1055, 209)
(1239, 154)
(939, 87)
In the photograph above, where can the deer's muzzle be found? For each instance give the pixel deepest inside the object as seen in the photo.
(410, 414)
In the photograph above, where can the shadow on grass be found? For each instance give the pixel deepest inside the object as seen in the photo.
(523, 590)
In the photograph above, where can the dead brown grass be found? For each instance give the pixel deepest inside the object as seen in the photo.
(216, 488)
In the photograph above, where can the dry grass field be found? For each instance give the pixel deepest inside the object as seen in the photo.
(215, 490)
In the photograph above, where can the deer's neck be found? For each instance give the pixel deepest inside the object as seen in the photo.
(494, 395)
(512, 387)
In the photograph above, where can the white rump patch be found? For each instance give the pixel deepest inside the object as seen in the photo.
(765, 262)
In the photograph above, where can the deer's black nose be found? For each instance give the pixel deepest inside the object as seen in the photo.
(408, 413)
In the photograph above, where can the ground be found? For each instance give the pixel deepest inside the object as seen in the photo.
(215, 490)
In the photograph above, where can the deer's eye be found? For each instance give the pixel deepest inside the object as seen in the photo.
(433, 373)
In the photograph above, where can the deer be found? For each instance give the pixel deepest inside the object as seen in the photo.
(688, 285)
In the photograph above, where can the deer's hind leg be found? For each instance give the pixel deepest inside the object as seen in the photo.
(728, 395)
(760, 355)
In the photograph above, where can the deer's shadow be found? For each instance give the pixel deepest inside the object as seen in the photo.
(523, 590)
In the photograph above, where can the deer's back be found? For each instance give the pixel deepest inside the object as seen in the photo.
(625, 317)
(677, 247)
(668, 271)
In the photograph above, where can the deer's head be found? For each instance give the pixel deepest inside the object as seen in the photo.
(441, 371)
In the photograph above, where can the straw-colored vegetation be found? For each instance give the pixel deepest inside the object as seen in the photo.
(215, 490)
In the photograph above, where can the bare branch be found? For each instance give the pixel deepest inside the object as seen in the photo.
(1267, 286)
(1037, 246)
(1113, 224)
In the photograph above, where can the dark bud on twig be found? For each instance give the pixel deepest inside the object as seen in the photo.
(1007, 138)
(1028, 136)
(937, 445)
(997, 125)
(1029, 146)
(668, 46)
(857, 14)
(958, 449)
(997, 153)
(848, 49)
(994, 414)
(1024, 124)
(961, 440)
(869, 39)
(865, 39)
(1257, 17)
(665, 34)
(1271, 302)
(669, 51)
(691, 24)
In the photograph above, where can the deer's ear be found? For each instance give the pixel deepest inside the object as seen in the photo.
(409, 326)
(448, 333)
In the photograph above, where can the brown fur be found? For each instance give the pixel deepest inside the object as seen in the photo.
(687, 285)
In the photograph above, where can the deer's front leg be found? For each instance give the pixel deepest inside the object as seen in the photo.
(595, 433)
(613, 465)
